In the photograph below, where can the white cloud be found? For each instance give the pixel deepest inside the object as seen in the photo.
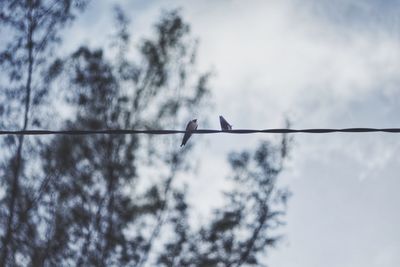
(274, 57)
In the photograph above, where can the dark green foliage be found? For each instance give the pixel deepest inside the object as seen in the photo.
(87, 200)
(29, 30)
(242, 230)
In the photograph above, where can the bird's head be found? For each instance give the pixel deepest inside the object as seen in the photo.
(195, 120)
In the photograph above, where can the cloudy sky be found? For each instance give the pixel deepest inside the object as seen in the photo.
(323, 63)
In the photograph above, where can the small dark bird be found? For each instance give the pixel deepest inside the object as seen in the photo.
(191, 126)
(225, 126)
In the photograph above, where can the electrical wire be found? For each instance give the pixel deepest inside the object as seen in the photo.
(200, 131)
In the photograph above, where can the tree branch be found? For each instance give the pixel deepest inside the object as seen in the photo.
(8, 237)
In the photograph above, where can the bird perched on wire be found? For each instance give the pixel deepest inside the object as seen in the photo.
(191, 126)
(225, 126)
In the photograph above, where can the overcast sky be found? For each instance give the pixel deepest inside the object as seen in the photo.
(323, 63)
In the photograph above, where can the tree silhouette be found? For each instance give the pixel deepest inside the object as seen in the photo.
(93, 200)
(241, 230)
(34, 26)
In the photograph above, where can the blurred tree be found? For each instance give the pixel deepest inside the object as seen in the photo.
(88, 208)
(97, 202)
(29, 30)
(241, 231)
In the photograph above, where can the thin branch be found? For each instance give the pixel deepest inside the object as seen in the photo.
(8, 237)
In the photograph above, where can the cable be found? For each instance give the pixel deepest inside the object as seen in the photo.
(202, 131)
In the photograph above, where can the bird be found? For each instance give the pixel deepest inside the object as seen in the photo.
(225, 126)
(191, 126)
